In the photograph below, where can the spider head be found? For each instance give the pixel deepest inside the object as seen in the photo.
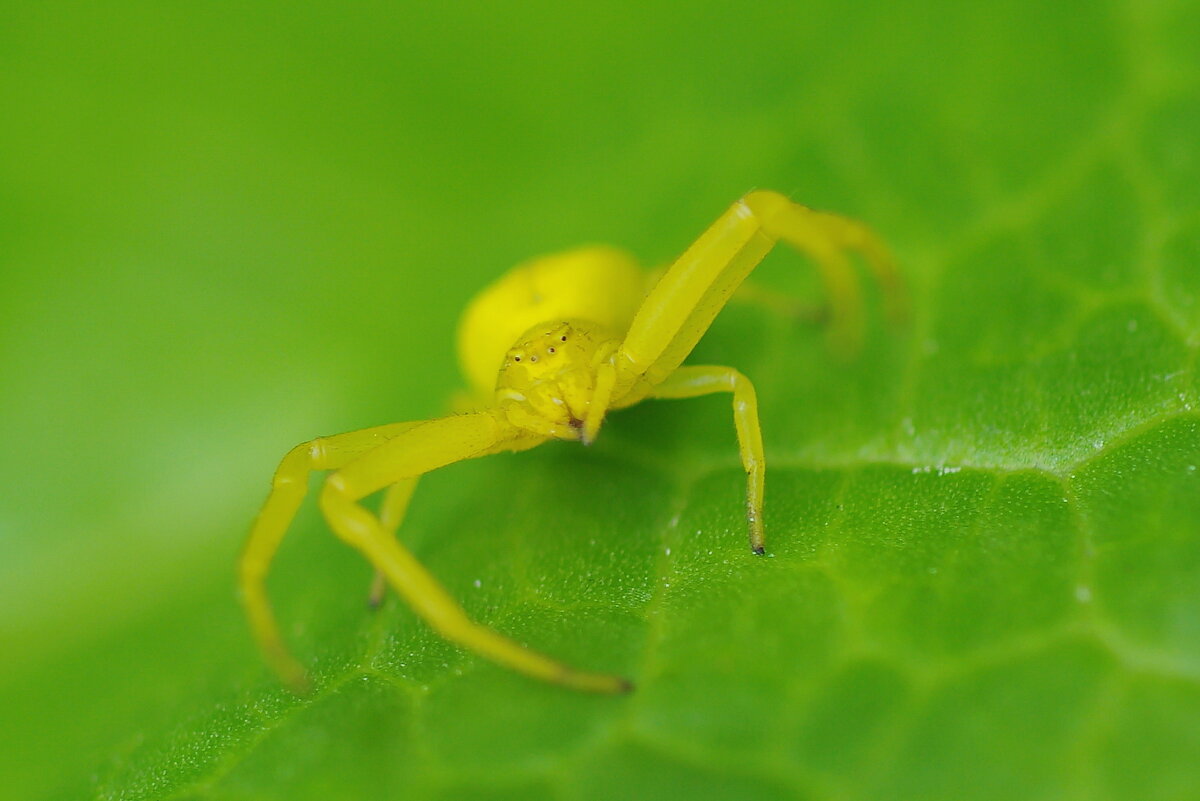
(549, 376)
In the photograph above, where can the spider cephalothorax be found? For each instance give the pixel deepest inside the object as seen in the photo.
(548, 380)
(597, 337)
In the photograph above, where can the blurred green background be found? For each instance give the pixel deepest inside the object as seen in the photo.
(226, 228)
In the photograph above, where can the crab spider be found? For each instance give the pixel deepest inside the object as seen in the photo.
(549, 349)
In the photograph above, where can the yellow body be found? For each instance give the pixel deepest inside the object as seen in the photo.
(548, 350)
(600, 284)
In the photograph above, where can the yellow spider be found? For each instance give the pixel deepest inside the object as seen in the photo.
(549, 349)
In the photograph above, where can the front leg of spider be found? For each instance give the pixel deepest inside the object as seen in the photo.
(288, 488)
(682, 305)
(426, 447)
(692, 382)
(366, 461)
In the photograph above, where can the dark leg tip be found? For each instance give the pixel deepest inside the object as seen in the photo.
(626, 686)
(759, 549)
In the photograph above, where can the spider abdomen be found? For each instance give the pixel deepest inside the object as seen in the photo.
(599, 284)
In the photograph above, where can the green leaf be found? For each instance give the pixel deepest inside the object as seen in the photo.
(227, 230)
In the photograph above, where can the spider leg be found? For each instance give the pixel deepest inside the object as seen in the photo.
(780, 304)
(857, 237)
(429, 446)
(691, 382)
(682, 305)
(288, 489)
(395, 501)
(391, 515)
(772, 301)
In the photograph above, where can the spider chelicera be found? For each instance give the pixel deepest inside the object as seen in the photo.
(549, 349)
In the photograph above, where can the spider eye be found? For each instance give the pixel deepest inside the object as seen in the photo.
(533, 358)
(549, 350)
(516, 358)
(563, 337)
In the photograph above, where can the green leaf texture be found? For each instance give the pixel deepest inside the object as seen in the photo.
(227, 229)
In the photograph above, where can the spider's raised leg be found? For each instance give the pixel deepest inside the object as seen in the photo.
(681, 306)
(288, 489)
(424, 448)
(691, 382)
(855, 236)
